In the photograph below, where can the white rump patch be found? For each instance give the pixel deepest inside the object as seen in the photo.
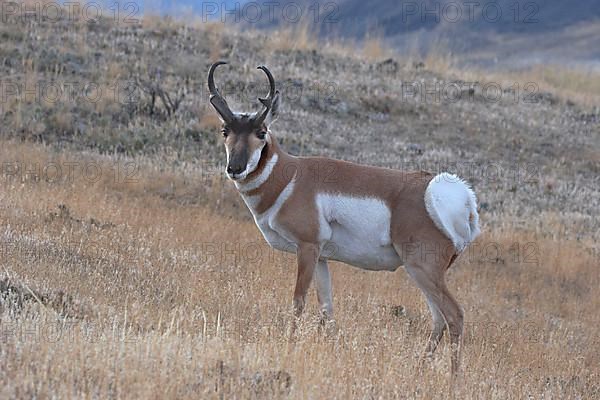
(452, 206)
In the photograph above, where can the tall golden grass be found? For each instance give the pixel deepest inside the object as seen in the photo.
(145, 290)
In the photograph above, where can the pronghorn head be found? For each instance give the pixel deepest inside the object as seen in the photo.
(246, 134)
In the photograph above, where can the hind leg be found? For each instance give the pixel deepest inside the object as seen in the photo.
(439, 321)
(437, 329)
(445, 311)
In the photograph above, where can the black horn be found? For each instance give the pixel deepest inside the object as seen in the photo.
(266, 101)
(216, 99)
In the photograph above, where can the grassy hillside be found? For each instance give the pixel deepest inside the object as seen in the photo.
(131, 268)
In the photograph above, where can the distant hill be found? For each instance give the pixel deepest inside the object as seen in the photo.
(505, 32)
(356, 17)
(490, 33)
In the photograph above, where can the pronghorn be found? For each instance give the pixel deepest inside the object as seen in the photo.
(369, 217)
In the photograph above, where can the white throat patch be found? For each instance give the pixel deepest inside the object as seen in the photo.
(261, 178)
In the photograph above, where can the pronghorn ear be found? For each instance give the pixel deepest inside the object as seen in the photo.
(274, 111)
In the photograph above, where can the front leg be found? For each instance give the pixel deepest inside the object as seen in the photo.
(308, 255)
(323, 284)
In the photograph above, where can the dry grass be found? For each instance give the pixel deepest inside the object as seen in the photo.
(572, 84)
(161, 297)
(299, 36)
(569, 83)
(578, 84)
(374, 48)
(304, 36)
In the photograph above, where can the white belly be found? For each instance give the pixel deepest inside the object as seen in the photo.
(357, 231)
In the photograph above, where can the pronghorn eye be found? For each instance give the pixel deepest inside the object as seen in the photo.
(261, 135)
(225, 132)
